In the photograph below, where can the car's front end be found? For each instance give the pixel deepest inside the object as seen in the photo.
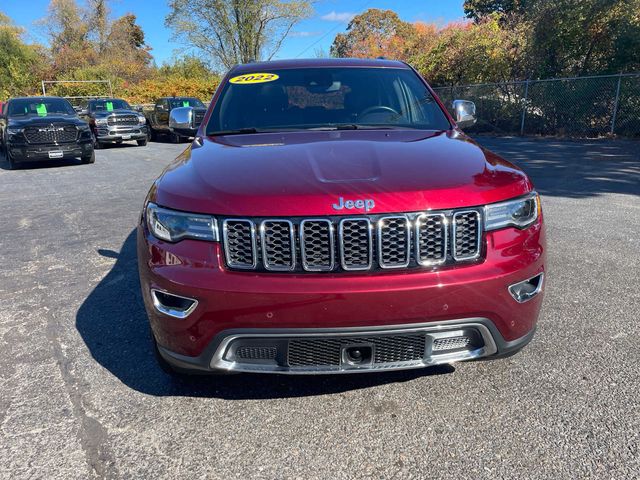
(334, 250)
(46, 128)
(119, 126)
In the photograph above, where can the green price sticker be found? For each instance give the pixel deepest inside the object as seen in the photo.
(41, 108)
(109, 106)
(185, 103)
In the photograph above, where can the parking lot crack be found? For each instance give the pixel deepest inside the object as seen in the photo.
(92, 435)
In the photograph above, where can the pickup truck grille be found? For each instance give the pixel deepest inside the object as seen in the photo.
(365, 243)
(122, 120)
(198, 117)
(56, 133)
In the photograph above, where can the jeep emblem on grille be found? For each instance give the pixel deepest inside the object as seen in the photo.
(366, 203)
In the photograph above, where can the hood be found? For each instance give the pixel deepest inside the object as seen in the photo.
(44, 121)
(103, 114)
(307, 173)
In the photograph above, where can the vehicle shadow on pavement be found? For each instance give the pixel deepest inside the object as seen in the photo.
(573, 168)
(113, 324)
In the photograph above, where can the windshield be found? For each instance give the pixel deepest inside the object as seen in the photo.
(39, 107)
(185, 102)
(108, 105)
(319, 98)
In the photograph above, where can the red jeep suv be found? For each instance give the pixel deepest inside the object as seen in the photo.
(331, 217)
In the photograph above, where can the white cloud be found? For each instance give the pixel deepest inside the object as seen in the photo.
(304, 34)
(334, 16)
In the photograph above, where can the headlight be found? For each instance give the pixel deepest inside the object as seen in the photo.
(519, 213)
(14, 130)
(141, 119)
(101, 121)
(173, 226)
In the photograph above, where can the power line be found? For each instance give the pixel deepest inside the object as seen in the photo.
(366, 4)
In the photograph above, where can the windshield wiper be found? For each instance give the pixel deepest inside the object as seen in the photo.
(237, 131)
(355, 126)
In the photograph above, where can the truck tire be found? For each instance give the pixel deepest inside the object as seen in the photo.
(89, 158)
(11, 162)
(142, 143)
(175, 138)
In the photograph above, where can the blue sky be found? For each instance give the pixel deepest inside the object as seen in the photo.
(316, 33)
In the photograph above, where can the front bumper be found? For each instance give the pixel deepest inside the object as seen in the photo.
(26, 152)
(250, 305)
(120, 133)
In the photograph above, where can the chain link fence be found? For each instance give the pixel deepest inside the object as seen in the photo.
(593, 106)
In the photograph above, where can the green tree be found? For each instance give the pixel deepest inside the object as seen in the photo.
(371, 34)
(20, 63)
(235, 31)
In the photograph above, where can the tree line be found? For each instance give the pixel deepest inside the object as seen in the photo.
(505, 40)
(502, 40)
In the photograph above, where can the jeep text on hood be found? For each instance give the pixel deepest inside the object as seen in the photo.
(331, 217)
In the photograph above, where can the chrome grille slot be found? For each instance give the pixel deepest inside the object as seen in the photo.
(466, 235)
(54, 133)
(394, 242)
(240, 243)
(278, 245)
(316, 245)
(355, 242)
(431, 239)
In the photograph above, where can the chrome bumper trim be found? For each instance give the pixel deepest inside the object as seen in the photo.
(434, 330)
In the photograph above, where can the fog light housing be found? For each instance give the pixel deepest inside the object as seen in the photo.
(524, 291)
(173, 305)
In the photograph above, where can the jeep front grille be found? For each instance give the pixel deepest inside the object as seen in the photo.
(365, 243)
(55, 133)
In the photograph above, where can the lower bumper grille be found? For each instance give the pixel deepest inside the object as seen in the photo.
(386, 349)
(410, 347)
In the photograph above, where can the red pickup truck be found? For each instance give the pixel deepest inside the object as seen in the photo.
(331, 217)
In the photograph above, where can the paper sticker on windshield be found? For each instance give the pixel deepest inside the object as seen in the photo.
(254, 78)
(41, 109)
(109, 106)
(185, 103)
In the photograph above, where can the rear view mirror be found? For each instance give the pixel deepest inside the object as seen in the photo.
(180, 118)
(465, 113)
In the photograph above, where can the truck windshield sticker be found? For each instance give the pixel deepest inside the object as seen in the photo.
(109, 106)
(41, 109)
(254, 78)
(185, 103)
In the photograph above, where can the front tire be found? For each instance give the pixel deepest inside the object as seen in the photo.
(175, 138)
(142, 143)
(86, 159)
(13, 165)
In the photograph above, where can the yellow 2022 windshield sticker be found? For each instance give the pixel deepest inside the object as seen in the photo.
(249, 78)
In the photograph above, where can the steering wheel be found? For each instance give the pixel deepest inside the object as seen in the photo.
(378, 108)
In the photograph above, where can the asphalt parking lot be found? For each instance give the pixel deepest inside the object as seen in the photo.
(81, 395)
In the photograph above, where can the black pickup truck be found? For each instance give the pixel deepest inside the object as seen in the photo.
(158, 118)
(112, 120)
(41, 128)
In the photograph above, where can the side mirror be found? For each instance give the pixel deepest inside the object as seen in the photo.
(465, 113)
(160, 108)
(83, 111)
(180, 118)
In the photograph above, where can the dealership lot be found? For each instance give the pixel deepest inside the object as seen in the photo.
(81, 395)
